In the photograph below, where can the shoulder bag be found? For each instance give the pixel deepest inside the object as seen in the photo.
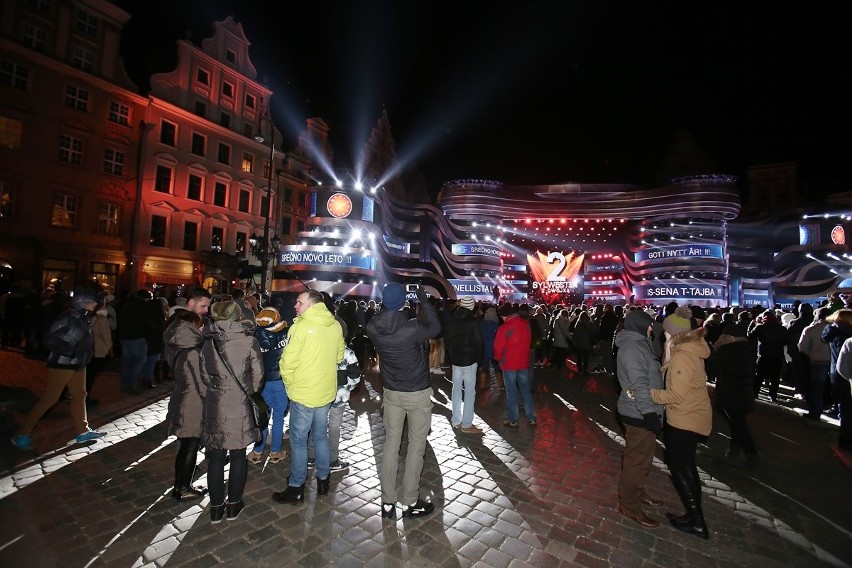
(258, 405)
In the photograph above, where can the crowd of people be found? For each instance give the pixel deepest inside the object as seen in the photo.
(215, 355)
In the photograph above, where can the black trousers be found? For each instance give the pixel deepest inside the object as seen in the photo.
(740, 433)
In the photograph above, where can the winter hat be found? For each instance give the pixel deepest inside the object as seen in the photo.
(83, 295)
(226, 311)
(270, 319)
(491, 315)
(467, 303)
(507, 309)
(393, 296)
(787, 319)
(638, 321)
(679, 322)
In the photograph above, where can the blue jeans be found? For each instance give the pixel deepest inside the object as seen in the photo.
(515, 381)
(819, 376)
(275, 396)
(134, 352)
(463, 378)
(305, 420)
(150, 366)
(335, 421)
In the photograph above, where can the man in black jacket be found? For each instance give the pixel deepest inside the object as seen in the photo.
(463, 341)
(407, 395)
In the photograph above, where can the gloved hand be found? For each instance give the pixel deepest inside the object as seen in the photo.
(652, 422)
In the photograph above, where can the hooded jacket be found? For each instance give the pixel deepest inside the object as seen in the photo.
(230, 353)
(69, 339)
(638, 370)
(463, 338)
(685, 396)
(308, 363)
(183, 342)
(399, 342)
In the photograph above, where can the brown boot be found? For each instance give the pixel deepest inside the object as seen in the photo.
(499, 379)
(481, 380)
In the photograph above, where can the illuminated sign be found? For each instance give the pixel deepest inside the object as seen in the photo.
(473, 288)
(555, 273)
(838, 235)
(341, 205)
(688, 251)
(755, 298)
(475, 249)
(679, 291)
(397, 245)
(367, 209)
(327, 258)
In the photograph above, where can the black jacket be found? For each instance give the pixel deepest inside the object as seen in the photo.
(399, 342)
(733, 366)
(69, 339)
(463, 338)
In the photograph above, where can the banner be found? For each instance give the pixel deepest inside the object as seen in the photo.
(679, 292)
(478, 289)
(324, 258)
(472, 249)
(686, 251)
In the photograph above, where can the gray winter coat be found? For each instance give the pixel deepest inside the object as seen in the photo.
(228, 420)
(183, 342)
(638, 370)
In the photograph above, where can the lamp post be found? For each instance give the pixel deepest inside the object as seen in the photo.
(263, 249)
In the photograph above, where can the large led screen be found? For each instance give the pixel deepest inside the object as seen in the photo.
(555, 272)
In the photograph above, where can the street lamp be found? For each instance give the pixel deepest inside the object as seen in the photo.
(263, 249)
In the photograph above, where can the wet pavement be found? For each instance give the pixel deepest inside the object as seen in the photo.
(539, 496)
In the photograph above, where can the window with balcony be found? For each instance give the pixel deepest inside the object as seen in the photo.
(64, 213)
(199, 144)
(190, 235)
(168, 133)
(70, 150)
(203, 76)
(113, 162)
(248, 163)
(245, 199)
(158, 231)
(119, 113)
(8, 193)
(193, 189)
(163, 179)
(217, 239)
(220, 193)
(34, 37)
(11, 131)
(108, 219)
(13, 74)
(223, 156)
(83, 59)
(87, 24)
(76, 97)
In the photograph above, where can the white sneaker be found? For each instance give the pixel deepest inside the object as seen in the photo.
(438, 371)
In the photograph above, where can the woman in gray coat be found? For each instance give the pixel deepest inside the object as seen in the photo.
(182, 340)
(230, 354)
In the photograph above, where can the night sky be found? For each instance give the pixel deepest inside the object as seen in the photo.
(543, 92)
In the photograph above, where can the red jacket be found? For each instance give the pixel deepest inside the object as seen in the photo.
(512, 344)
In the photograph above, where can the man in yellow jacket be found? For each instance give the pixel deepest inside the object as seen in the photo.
(309, 370)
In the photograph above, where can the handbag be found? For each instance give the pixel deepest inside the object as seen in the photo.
(259, 408)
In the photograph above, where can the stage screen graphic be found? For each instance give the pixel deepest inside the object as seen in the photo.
(555, 272)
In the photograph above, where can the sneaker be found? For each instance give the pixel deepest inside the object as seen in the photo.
(471, 430)
(438, 371)
(275, 457)
(217, 513)
(311, 462)
(338, 465)
(89, 435)
(532, 422)
(255, 457)
(510, 424)
(233, 510)
(22, 442)
(388, 511)
(419, 509)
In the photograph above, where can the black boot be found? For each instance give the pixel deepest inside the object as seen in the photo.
(185, 470)
(322, 486)
(688, 488)
(293, 494)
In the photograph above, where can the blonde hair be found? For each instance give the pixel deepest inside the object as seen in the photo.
(843, 316)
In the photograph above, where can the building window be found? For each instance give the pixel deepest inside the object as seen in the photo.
(201, 109)
(11, 131)
(113, 162)
(217, 238)
(203, 77)
(225, 120)
(248, 131)
(267, 169)
(220, 191)
(87, 24)
(108, 219)
(64, 212)
(288, 195)
(168, 132)
(241, 244)
(193, 189)
(230, 56)
(75, 97)
(70, 150)
(248, 163)
(199, 143)
(300, 226)
(42, 6)
(227, 90)
(190, 235)
(251, 101)
(158, 231)
(286, 224)
(13, 74)
(264, 205)
(34, 37)
(163, 181)
(245, 198)
(82, 59)
(119, 113)
(224, 154)
(7, 201)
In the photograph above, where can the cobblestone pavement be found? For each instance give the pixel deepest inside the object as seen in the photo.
(532, 496)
